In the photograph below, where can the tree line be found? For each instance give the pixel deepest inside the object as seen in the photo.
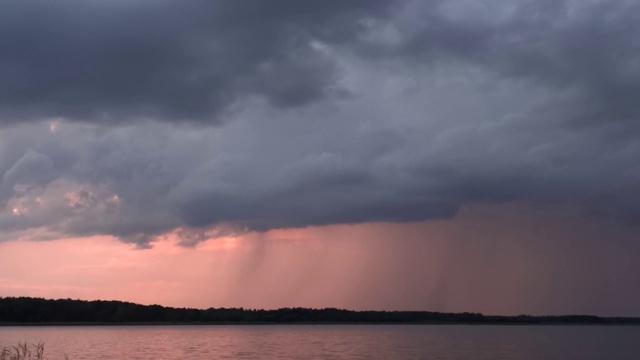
(27, 310)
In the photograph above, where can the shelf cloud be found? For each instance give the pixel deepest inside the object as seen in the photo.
(138, 118)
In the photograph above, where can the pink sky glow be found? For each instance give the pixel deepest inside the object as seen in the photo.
(555, 265)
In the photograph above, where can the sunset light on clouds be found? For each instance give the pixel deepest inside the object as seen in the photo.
(393, 155)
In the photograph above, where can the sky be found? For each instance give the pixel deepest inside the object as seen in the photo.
(446, 155)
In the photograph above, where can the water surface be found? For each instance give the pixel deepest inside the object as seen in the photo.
(448, 342)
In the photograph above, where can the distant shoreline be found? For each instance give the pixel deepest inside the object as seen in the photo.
(26, 311)
(88, 324)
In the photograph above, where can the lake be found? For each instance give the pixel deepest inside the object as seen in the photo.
(447, 342)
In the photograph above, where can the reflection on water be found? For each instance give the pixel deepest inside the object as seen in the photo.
(331, 342)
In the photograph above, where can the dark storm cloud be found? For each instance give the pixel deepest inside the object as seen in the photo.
(450, 103)
(113, 61)
(587, 48)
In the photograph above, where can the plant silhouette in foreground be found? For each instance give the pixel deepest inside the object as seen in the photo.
(22, 351)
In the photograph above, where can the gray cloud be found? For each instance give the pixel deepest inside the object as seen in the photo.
(587, 49)
(109, 62)
(451, 103)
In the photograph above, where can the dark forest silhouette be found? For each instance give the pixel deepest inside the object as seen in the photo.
(25, 310)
